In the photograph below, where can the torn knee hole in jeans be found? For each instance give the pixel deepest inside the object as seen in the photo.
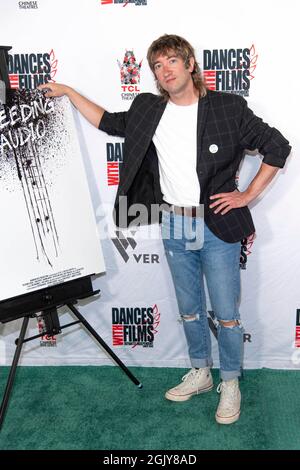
(190, 317)
(231, 323)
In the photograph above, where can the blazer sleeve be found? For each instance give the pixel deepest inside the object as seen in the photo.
(256, 134)
(114, 123)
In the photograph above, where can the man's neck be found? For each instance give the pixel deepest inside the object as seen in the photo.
(186, 97)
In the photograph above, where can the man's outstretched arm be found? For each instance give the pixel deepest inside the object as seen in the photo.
(91, 111)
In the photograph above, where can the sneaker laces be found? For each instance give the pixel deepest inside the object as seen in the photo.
(228, 390)
(191, 377)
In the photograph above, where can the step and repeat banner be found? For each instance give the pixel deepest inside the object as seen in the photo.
(99, 47)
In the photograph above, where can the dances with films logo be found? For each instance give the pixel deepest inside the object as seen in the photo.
(246, 247)
(130, 75)
(114, 158)
(32, 69)
(230, 70)
(135, 326)
(137, 3)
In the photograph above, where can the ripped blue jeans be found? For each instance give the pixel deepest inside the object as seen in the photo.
(194, 252)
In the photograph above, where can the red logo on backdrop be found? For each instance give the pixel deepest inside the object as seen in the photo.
(46, 340)
(230, 70)
(135, 326)
(130, 75)
(32, 69)
(124, 2)
(297, 337)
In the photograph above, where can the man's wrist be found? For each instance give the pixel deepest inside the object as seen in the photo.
(68, 91)
(249, 196)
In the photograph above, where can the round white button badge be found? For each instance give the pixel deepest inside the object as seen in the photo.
(213, 148)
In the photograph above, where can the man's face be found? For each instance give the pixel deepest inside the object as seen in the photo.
(172, 74)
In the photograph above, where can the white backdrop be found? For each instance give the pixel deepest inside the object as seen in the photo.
(84, 42)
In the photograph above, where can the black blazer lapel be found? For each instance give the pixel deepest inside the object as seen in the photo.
(151, 120)
(203, 107)
(136, 155)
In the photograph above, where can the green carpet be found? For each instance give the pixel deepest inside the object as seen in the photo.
(100, 408)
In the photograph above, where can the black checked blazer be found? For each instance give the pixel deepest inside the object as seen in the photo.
(223, 119)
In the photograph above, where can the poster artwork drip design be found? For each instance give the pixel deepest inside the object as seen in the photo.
(23, 126)
(43, 195)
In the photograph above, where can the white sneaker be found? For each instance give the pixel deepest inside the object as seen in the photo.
(230, 402)
(194, 382)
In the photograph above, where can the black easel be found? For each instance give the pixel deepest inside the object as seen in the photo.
(48, 301)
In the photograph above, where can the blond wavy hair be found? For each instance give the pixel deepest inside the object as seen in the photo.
(181, 48)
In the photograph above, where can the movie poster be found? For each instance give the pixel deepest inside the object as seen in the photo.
(48, 233)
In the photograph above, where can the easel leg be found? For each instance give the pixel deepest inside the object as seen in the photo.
(13, 369)
(104, 345)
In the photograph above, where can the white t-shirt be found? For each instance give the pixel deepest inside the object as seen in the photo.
(175, 140)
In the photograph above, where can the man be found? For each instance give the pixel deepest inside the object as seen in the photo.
(184, 148)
